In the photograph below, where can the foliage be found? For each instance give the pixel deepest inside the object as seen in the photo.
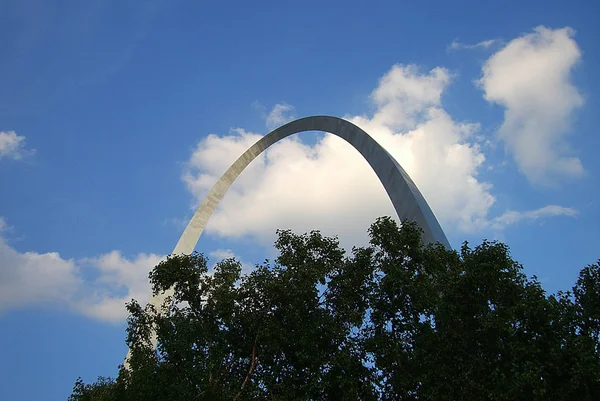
(392, 321)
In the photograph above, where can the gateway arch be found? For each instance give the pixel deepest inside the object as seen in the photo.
(402, 191)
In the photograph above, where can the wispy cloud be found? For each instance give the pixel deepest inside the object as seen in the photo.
(513, 217)
(486, 44)
(3, 225)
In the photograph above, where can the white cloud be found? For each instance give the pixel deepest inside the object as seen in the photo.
(96, 287)
(31, 278)
(280, 114)
(329, 187)
(34, 279)
(531, 78)
(221, 254)
(12, 146)
(404, 95)
(512, 217)
(119, 280)
(486, 44)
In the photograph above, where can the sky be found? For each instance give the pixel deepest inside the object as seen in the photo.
(117, 117)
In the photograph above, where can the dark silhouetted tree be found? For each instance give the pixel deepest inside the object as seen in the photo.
(392, 321)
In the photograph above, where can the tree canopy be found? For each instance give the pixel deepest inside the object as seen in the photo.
(394, 320)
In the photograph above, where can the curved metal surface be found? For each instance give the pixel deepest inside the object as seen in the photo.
(404, 194)
(402, 191)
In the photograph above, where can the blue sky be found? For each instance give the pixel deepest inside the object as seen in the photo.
(117, 117)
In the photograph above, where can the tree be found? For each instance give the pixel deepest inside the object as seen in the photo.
(395, 320)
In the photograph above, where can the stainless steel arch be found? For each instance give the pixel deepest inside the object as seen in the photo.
(404, 194)
(402, 191)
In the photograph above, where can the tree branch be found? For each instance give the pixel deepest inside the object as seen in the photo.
(250, 370)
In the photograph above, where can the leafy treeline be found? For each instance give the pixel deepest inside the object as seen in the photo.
(392, 321)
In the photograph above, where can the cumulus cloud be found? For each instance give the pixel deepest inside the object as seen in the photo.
(96, 287)
(486, 44)
(280, 114)
(12, 146)
(119, 279)
(531, 78)
(31, 278)
(34, 279)
(405, 95)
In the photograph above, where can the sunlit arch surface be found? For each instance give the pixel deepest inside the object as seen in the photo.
(402, 191)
